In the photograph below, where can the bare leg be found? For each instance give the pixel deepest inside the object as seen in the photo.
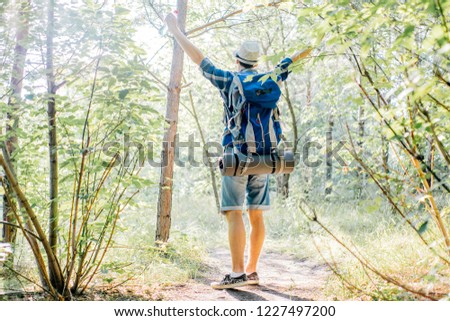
(257, 235)
(236, 238)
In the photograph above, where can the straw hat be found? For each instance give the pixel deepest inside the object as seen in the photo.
(248, 53)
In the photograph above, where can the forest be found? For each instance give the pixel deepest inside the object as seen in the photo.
(111, 136)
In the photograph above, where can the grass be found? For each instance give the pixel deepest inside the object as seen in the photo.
(179, 260)
(373, 231)
(387, 243)
(369, 226)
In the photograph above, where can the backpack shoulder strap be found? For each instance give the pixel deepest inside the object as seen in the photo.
(238, 83)
(236, 101)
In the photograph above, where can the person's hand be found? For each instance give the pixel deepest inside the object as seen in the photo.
(171, 22)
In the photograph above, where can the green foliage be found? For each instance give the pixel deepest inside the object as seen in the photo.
(105, 101)
(380, 67)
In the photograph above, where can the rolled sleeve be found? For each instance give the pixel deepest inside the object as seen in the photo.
(219, 78)
(282, 69)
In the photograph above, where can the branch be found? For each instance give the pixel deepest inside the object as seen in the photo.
(399, 138)
(441, 77)
(334, 269)
(31, 241)
(387, 195)
(9, 172)
(31, 281)
(361, 259)
(158, 80)
(439, 143)
(150, 3)
(224, 18)
(20, 228)
(439, 103)
(441, 11)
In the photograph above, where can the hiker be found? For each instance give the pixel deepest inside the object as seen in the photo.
(235, 189)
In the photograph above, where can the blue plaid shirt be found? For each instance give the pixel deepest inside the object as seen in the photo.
(222, 79)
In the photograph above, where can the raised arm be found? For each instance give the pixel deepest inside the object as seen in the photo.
(189, 48)
(284, 65)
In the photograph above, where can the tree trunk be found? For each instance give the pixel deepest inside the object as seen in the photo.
(16, 84)
(360, 142)
(53, 263)
(307, 175)
(168, 151)
(283, 185)
(430, 161)
(283, 179)
(308, 171)
(52, 140)
(385, 156)
(329, 159)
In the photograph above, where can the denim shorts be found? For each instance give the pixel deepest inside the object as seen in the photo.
(253, 188)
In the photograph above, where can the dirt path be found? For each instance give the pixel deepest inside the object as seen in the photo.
(282, 277)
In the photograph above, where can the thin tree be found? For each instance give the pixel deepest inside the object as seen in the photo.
(329, 160)
(16, 84)
(360, 143)
(52, 139)
(308, 176)
(207, 155)
(168, 151)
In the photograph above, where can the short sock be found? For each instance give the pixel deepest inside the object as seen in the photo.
(236, 275)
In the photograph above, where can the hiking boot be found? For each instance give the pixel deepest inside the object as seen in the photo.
(253, 278)
(228, 282)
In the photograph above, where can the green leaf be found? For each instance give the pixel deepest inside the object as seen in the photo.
(111, 81)
(306, 12)
(423, 227)
(123, 93)
(408, 31)
(264, 78)
(121, 11)
(248, 78)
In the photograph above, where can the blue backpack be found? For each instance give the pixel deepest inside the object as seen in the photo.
(252, 115)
